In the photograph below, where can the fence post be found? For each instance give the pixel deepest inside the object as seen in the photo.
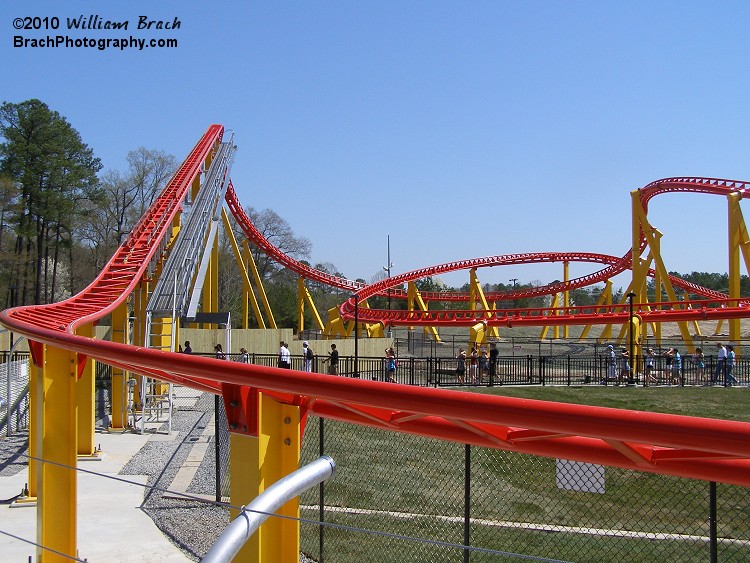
(217, 445)
(467, 501)
(712, 521)
(321, 509)
(529, 367)
(568, 364)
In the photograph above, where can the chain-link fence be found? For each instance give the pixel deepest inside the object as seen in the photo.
(14, 392)
(398, 497)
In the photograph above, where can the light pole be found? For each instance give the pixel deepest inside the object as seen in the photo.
(514, 280)
(388, 271)
(631, 351)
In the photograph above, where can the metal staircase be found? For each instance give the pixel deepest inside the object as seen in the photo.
(177, 291)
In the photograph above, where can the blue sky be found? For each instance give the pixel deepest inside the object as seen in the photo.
(460, 129)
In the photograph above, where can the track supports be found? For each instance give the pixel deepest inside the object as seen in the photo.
(259, 458)
(56, 429)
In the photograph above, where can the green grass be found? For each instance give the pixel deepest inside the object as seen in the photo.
(708, 402)
(386, 471)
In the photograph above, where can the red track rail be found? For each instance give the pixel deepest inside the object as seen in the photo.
(685, 446)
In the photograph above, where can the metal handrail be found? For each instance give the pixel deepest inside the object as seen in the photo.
(265, 504)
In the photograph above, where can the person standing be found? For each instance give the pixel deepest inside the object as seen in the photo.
(187, 349)
(460, 365)
(721, 362)
(611, 364)
(307, 357)
(676, 366)
(285, 356)
(219, 353)
(730, 380)
(333, 361)
(625, 374)
(390, 364)
(700, 365)
(493, 362)
(244, 356)
(650, 366)
(474, 364)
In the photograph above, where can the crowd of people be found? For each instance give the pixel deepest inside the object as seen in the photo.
(480, 364)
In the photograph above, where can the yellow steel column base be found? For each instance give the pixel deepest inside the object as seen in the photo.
(96, 456)
(24, 502)
(257, 463)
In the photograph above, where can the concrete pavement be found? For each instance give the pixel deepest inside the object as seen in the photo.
(111, 525)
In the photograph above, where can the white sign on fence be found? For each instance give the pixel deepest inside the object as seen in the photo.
(579, 476)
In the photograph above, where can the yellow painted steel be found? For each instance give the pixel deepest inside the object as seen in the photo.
(257, 463)
(119, 392)
(566, 297)
(85, 395)
(545, 329)
(140, 302)
(476, 294)
(604, 299)
(57, 498)
(415, 302)
(36, 425)
(303, 296)
(247, 290)
(736, 242)
(640, 268)
(335, 326)
(477, 333)
(250, 262)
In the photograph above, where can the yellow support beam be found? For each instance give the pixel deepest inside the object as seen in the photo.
(303, 296)
(604, 299)
(85, 399)
(257, 463)
(119, 391)
(415, 302)
(250, 262)
(736, 224)
(247, 290)
(57, 499)
(642, 225)
(476, 294)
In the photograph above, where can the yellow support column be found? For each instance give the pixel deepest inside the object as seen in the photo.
(255, 464)
(735, 222)
(120, 333)
(85, 399)
(56, 505)
(36, 422)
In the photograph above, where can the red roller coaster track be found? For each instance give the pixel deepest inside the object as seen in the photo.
(684, 446)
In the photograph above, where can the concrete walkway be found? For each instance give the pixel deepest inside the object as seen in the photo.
(111, 526)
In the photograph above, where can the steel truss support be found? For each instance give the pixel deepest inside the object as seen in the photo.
(477, 295)
(640, 268)
(414, 302)
(303, 296)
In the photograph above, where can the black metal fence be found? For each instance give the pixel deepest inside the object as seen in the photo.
(525, 370)
(398, 497)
